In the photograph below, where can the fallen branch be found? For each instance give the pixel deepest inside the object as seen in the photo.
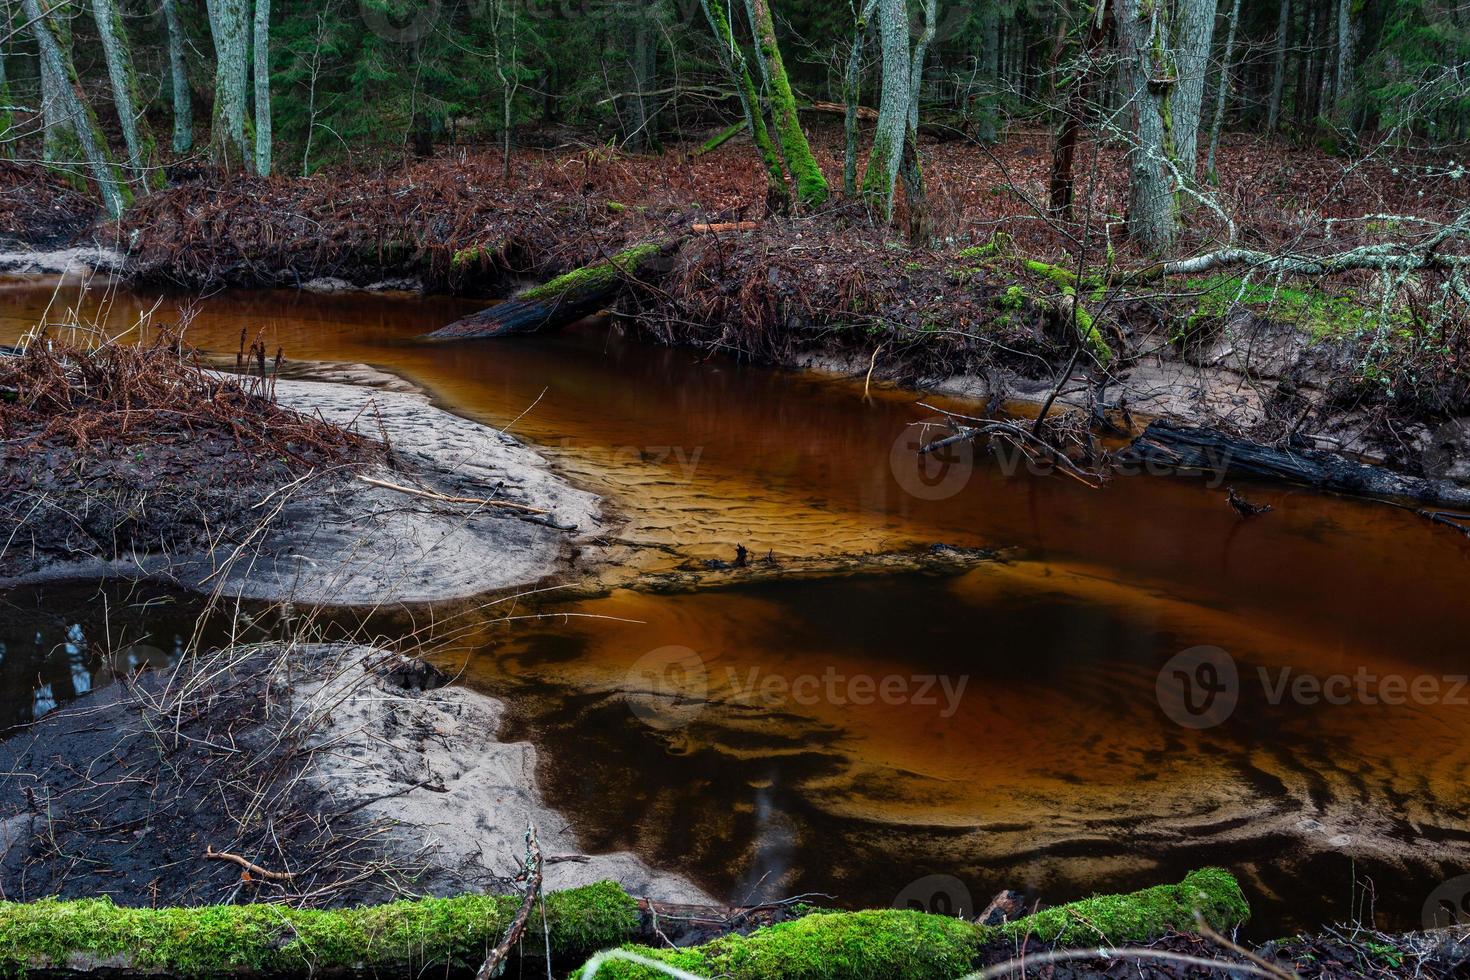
(562, 300)
(446, 499)
(495, 962)
(252, 868)
(724, 226)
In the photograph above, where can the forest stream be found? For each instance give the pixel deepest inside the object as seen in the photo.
(1003, 727)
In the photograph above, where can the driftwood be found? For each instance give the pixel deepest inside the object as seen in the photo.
(446, 499)
(565, 299)
(1184, 447)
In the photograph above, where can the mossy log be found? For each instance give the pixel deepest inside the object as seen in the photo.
(450, 936)
(562, 300)
(1189, 448)
(404, 938)
(918, 946)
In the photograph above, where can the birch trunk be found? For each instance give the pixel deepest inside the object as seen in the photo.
(1278, 69)
(118, 55)
(183, 139)
(229, 23)
(778, 195)
(263, 87)
(1153, 210)
(811, 186)
(55, 61)
(1223, 89)
(893, 106)
(1193, 36)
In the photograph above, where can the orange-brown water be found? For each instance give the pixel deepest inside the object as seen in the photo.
(1047, 763)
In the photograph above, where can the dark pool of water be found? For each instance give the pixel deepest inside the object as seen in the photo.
(746, 735)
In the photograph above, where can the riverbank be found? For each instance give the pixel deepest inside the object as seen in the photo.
(328, 775)
(137, 461)
(991, 309)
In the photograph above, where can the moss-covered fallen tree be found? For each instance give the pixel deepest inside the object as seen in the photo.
(402, 938)
(452, 935)
(900, 943)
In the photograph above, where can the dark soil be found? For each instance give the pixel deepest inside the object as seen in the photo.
(127, 450)
(39, 208)
(123, 794)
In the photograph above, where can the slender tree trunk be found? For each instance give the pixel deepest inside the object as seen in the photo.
(811, 186)
(1221, 90)
(1065, 153)
(55, 61)
(641, 135)
(6, 137)
(1194, 33)
(1153, 210)
(263, 87)
(911, 167)
(893, 106)
(1278, 68)
(1342, 96)
(229, 22)
(183, 139)
(853, 85)
(987, 123)
(116, 51)
(778, 195)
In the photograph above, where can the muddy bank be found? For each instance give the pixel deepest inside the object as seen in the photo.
(341, 775)
(426, 506)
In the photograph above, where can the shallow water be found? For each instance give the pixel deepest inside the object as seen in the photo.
(1003, 727)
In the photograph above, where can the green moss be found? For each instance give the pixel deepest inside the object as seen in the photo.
(1310, 309)
(1140, 915)
(1014, 298)
(998, 247)
(902, 943)
(217, 940)
(592, 278)
(877, 944)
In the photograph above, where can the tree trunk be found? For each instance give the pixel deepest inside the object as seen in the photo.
(911, 167)
(7, 151)
(1342, 96)
(778, 195)
(263, 87)
(853, 84)
(1222, 89)
(645, 54)
(1194, 33)
(1064, 156)
(1278, 68)
(811, 186)
(893, 106)
(987, 124)
(1153, 210)
(55, 62)
(118, 55)
(229, 23)
(562, 300)
(183, 139)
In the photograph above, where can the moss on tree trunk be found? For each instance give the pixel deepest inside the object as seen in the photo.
(811, 185)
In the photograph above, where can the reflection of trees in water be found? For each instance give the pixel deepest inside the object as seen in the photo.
(57, 645)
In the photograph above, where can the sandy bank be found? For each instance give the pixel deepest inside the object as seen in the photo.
(334, 538)
(347, 773)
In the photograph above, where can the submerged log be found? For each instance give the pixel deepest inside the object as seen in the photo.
(562, 300)
(1209, 450)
